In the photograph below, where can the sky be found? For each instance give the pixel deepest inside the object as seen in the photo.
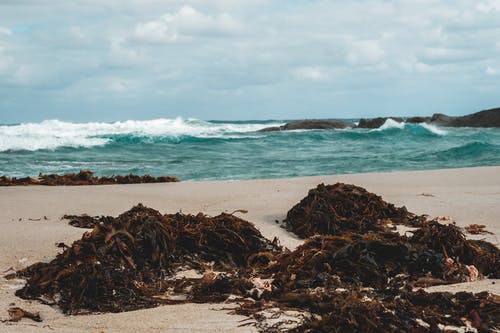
(108, 60)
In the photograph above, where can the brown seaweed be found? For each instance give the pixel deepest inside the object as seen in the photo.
(84, 177)
(477, 229)
(335, 209)
(115, 266)
(85, 221)
(356, 275)
(16, 314)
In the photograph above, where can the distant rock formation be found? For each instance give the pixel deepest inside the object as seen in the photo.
(485, 118)
(376, 122)
(417, 120)
(308, 124)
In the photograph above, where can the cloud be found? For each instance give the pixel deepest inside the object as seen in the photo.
(187, 21)
(310, 74)
(256, 57)
(120, 85)
(121, 54)
(490, 71)
(156, 31)
(367, 52)
(488, 6)
(440, 55)
(5, 31)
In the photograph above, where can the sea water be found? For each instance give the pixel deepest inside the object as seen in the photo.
(208, 150)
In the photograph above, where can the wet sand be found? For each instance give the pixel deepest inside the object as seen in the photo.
(470, 195)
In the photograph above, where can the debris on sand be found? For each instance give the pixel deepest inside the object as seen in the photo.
(84, 177)
(85, 221)
(477, 229)
(335, 209)
(122, 262)
(16, 314)
(354, 274)
(412, 312)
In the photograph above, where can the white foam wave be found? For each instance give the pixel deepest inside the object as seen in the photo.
(391, 123)
(51, 134)
(433, 129)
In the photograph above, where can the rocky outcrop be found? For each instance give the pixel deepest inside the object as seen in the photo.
(485, 118)
(376, 122)
(308, 124)
(418, 120)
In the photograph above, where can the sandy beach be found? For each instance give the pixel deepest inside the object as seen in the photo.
(30, 220)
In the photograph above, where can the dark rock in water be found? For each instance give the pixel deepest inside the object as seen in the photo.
(308, 124)
(418, 120)
(485, 118)
(376, 122)
(272, 129)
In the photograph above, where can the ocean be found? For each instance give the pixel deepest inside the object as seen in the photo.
(226, 150)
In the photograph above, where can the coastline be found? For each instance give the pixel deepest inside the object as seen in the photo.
(468, 195)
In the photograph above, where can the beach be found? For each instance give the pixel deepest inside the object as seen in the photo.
(30, 220)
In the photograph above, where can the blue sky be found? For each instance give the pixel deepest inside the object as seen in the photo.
(106, 60)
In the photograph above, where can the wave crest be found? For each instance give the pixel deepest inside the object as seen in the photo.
(433, 129)
(390, 124)
(52, 134)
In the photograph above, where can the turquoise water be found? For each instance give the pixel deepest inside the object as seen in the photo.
(197, 150)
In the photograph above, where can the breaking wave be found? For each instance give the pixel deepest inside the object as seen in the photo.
(206, 150)
(52, 134)
(389, 124)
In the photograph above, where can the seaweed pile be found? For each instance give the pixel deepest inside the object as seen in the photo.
(356, 274)
(335, 209)
(84, 177)
(122, 262)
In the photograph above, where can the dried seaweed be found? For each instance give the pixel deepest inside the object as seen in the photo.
(340, 208)
(413, 312)
(357, 276)
(84, 177)
(85, 221)
(477, 229)
(16, 314)
(115, 267)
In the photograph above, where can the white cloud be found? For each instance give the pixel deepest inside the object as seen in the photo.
(367, 52)
(187, 21)
(119, 85)
(7, 63)
(488, 6)
(5, 31)
(310, 74)
(156, 31)
(78, 36)
(440, 55)
(267, 51)
(123, 55)
(490, 71)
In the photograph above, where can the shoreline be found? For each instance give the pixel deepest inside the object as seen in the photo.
(467, 195)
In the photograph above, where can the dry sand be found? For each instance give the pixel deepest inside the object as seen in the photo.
(470, 195)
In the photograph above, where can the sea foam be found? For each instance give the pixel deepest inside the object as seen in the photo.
(391, 123)
(433, 129)
(52, 134)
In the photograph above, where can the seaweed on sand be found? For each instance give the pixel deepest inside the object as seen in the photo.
(356, 275)
(84, 177)
(117, 266)
(335, 209)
